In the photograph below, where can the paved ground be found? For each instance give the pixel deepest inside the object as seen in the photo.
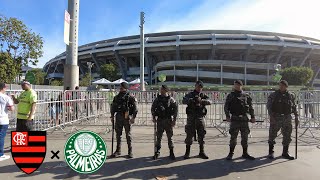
(306, 167)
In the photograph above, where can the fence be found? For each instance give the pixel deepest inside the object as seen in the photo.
(57, 109)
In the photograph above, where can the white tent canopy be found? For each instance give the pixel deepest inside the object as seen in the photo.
(136, 81)
(119, 81)
(102, 81)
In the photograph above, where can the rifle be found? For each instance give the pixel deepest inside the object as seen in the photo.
(155, 139)
(112, 135)
(296, 141)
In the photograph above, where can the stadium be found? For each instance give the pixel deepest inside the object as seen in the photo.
(216, 57)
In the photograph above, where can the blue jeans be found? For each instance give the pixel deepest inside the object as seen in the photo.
(3, 132)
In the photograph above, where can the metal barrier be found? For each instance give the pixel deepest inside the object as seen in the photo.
(57, 109)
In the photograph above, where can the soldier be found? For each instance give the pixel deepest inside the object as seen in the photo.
(239, 104)
(281, 104)
(124, 105)
(164, 107)
(196, 111)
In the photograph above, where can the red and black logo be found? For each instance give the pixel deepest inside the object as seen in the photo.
(28, 149)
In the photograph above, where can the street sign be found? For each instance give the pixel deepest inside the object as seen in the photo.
(66, 27)
(30, 77)
(162, 77)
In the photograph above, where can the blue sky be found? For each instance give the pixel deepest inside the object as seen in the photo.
(103, 19)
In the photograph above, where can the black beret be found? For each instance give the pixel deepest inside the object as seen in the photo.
(238, 82)
(165, 87)
(284, 82)
(200, 83)
(125, 85)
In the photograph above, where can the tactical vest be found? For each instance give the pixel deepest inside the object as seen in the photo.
(239, 104)
(193, 109)
(163, 107)
(122, 103)
(282, 103)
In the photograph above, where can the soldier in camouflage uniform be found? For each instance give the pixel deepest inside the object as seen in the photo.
(196, 111)
(239, 104)
(125, 108)
(165, 108)
(281, 104)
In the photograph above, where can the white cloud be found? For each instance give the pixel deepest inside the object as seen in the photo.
(283, 16)
(53, 46)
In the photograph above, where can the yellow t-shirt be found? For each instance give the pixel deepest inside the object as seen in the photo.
(26, 99)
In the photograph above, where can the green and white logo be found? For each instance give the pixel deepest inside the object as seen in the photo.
(85, 152)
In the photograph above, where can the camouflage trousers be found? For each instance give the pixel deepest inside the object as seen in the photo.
(121, 123)
(235, 127)
(164, 124)
(195, 125)
(284, 123)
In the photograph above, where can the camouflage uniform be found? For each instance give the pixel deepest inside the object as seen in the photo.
(281, 106)
(196, 112)
(239, 104)
(123, 102)
(164, 107)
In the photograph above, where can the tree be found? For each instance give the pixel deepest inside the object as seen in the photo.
(56, 82)
(297, 75)
(8, 68)
(85, 80)
(19, 46)
(39, 76)
(109, 71)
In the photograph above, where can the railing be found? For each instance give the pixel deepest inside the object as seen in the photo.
(57, 109)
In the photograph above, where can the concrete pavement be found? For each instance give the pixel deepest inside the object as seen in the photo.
(143, 167)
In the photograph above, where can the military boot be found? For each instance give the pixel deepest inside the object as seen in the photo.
(201, 153)
(187, 154)
(130, 155)
(157, 154)
(246, 155)
(271, 152)
(230, 155)
(285, 153)
(172, 156)
(117, 153)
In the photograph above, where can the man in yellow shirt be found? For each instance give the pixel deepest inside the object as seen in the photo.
(26, 107)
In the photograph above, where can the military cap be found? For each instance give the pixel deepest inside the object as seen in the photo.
(125, 85)
(165, 87)
(200, 83)
(284, 82)
(238, 82)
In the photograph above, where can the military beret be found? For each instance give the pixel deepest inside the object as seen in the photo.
(200, 83)
(165, 87)
(125, 85)
(238, 82)
(284, 82)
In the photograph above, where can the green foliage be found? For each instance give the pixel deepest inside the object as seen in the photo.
(22, 45)
(8, 68)
(109, 71)
(297, 75)
(40, 76)
(56, 82)
(85, 80)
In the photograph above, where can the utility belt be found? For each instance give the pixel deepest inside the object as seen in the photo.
(241, 117)
(196, 111)
(281, 114)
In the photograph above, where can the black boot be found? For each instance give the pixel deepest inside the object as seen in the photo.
(285, 153)
(201, 153)
(230, 155)
(246, 154)
(130, 155)
(117, 153)
(187, 154)
(157, 154)
(271, 152)
(172, 156)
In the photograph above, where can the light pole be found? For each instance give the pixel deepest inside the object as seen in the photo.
(142, 88)
(90, 65)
